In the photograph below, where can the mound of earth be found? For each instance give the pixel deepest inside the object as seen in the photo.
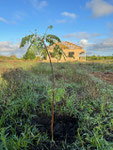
(105, 76)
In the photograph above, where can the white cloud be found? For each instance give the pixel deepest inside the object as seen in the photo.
(84, 43)
(93, 45)
(39, 4)
(108, 43)
(103, 47)
(8, 48)
(67, 14)
(78, 35)
(99, 8)
(81, 35)
(3, 20)
(61, 21)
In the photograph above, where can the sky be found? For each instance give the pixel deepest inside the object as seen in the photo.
(88, 23)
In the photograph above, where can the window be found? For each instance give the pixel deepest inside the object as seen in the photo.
(71, 54)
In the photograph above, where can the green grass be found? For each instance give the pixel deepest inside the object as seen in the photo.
(26, 93)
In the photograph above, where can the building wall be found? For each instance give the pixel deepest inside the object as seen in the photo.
(68, 59)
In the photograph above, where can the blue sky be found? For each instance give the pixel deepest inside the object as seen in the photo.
(88, 23)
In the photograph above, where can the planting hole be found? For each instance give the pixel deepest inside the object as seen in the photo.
(65, 127)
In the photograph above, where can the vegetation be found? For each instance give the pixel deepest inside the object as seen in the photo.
(12, 57)
(99, 57)
(39, 45)
(29, 55)
(25, 108)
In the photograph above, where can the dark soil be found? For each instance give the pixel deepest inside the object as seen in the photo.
(65, 129)
(106, 76)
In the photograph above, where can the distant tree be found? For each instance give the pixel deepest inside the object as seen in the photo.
(99, 57)
(40, 44)
(29, 55)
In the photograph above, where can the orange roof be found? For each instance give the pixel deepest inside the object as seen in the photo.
(71, 45)
(67, 45)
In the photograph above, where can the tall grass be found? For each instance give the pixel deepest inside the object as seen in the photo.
(24, 95)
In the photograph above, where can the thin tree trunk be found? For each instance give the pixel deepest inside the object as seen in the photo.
(54, 86)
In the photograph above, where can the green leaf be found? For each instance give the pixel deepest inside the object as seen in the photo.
(51, 39)
(50, 27)
(26, 40)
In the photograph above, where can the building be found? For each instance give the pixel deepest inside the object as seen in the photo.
(72, 52)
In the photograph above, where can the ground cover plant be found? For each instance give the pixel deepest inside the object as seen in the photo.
(25, 102)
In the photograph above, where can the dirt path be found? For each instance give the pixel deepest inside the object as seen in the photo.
(105, 76)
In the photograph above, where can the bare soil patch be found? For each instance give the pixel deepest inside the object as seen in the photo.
(105, 76)
(65, 129)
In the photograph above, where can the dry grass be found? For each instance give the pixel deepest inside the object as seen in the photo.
(8, 64)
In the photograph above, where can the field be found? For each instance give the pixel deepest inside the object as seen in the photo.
(83, 108)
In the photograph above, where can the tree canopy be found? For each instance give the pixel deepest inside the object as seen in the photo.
(37, 47)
